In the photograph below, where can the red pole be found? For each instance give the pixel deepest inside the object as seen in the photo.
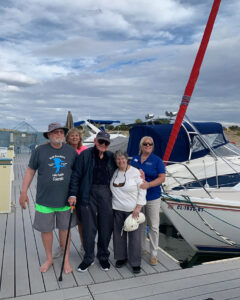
(192, 80)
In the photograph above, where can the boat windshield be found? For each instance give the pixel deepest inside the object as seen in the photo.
(214, 140)
(227, 150)
(217, 142)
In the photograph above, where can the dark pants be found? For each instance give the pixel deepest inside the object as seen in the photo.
(124, 249)
(97, 216)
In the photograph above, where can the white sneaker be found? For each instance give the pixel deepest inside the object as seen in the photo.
(58, 252)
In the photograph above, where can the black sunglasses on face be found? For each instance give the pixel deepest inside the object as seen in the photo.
(147, 144)
(103, 142)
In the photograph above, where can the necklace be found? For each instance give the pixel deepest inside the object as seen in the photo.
(143, 159)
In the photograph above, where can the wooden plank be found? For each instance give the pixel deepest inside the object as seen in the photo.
(97, 274)
(81, 293)
(76, 258)
(167, 276)
(164, 259)
(49, 279)
(166, 287)
(95, 271)
(22, 276)
(113, 273)
(68, 279)
(51, 276)
(158, 268)
(219, 290)
(125, 271)
(208, 280)
(3, 226)
(8, 277)
(35, 277)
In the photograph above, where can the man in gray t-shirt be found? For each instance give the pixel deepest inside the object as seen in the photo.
(54, 162)
(54, 171)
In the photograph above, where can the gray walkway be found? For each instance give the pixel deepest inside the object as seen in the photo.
(21, 253)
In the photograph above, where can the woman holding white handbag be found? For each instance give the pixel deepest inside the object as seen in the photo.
(128, 199)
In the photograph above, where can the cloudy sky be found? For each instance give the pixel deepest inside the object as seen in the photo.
(106, 59)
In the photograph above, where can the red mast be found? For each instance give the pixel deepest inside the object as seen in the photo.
(192, 80)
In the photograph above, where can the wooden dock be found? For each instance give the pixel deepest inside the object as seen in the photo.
(21, 254)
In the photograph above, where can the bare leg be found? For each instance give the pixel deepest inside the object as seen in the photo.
(80, 232)
(47, 239)
(63, 237)
(61, 242)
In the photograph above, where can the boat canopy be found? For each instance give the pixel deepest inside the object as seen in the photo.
(106, 122)
(78, 123)
(187, 141)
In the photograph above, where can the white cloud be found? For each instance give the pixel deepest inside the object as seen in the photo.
(115, 59)
(9, 88)
(16, 79)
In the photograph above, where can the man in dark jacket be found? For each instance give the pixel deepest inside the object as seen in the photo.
(90, 186)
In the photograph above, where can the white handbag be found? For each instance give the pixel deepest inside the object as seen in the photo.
(131, 224)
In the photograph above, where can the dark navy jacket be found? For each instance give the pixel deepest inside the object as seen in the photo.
(82, 176)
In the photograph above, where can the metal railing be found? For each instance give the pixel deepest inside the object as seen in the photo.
(193, 175)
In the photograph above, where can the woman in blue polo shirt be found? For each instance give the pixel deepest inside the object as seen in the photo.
(154, 170)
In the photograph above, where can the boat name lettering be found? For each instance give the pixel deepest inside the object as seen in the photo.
(190, 208)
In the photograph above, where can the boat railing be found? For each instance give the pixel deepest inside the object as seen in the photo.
(190, 172)
(199, 136)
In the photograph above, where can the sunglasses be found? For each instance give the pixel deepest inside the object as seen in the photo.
(121, 184)
(103, 142)
(147, 144)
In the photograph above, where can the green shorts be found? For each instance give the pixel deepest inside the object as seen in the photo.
(53, 218)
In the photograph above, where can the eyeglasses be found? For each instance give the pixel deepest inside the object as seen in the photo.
(147, 144)
(121, 184)
(103, 142)
(58, 131)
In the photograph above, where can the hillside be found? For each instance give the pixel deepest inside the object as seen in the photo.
(233, 136)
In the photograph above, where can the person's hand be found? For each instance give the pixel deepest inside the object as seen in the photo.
(136, 212)
(23, 199)
(142, 174)
(72, 201)
(145, 185)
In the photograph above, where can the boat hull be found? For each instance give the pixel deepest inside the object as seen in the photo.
(207, 225)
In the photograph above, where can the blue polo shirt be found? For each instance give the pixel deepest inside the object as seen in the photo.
(152, 167)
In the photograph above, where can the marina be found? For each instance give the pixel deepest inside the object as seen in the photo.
(21, 253)
(120, 61)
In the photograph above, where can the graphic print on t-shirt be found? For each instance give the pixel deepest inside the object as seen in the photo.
(57, 164)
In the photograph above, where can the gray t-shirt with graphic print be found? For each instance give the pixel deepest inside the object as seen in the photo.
(54, 168)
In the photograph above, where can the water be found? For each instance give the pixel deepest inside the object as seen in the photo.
(176, 246)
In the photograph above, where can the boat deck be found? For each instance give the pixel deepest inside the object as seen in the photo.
(22, 252)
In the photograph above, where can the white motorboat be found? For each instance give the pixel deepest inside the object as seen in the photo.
(202, 197)
(118, 140)
(208, 224)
